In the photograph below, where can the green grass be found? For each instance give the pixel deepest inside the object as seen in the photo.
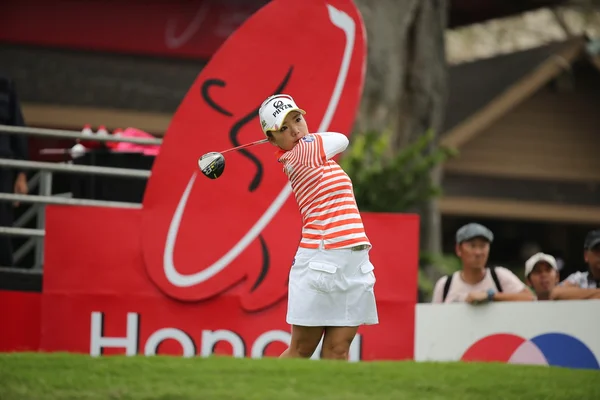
(25, 376)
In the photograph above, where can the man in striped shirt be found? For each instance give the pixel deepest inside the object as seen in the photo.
(331, 282)
(583, 285)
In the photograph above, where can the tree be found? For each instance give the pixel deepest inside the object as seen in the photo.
(406, 84)
(397, 183)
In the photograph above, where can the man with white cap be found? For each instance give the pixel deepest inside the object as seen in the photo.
(475, 283)
(541, 274)
(583, 285)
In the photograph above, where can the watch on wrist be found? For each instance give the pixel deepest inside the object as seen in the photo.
(490, 294)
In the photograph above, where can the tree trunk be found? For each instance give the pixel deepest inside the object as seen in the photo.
(406, 86)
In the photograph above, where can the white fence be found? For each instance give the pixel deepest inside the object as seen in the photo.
(561, 333)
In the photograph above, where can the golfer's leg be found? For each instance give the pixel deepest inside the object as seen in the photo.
(305, 340)
(337, 341)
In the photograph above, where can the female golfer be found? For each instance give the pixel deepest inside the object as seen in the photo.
(331, 280)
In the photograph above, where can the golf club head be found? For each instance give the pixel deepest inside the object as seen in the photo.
(212, 164)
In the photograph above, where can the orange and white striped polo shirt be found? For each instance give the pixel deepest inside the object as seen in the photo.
(324, 193)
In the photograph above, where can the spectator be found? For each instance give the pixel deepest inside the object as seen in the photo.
(475, 283)
(583, 285)
(541, 274)
(15, 147)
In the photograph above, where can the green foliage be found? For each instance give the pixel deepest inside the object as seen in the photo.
(387, 182)
(444, 264)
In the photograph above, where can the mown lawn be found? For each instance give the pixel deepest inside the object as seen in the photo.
(35, 376)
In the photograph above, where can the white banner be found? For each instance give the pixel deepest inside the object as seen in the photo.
(561, 333)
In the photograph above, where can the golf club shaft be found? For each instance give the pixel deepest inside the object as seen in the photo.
(246, 145)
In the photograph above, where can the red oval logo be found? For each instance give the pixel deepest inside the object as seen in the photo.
(240, 232)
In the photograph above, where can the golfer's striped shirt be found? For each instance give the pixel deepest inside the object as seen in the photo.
(324, 193)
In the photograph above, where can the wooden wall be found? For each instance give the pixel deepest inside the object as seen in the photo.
(553, 135)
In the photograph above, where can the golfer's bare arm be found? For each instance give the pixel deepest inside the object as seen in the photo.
(333, 143)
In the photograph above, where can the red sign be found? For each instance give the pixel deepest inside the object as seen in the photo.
(98, 298)
(246, 226)
(179, 28)
(203, 266)
(20, 314)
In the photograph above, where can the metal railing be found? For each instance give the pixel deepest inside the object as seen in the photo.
(43, 181)
(75, 169)
(65, 134)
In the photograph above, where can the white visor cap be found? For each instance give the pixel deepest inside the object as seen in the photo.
(274, 109)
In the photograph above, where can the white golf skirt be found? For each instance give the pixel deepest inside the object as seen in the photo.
(332, 288)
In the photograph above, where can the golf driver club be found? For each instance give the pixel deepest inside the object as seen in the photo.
(212, 164)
